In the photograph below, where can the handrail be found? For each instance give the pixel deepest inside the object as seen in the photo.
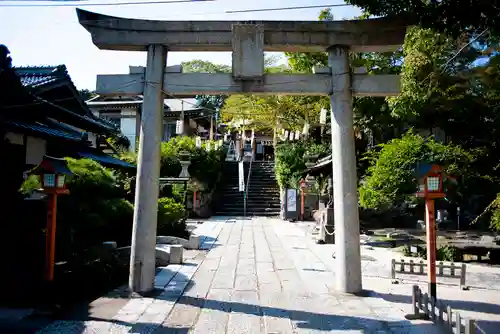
(247, 186)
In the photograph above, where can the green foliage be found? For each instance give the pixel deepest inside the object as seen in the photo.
(86, 94)
(94, 211)
(291, 159)
(205, 166)
(444, 15)
(389, 179)
(495, 214)
(289, 164)
(31, 184)
(444, 253)
(171, 218)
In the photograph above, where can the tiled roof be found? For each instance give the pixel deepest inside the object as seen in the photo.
(42, 130)
(37, 76)
(105, 159)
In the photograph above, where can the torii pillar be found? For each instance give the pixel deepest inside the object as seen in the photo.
(142, 254)
(248, 43)
(345, 193)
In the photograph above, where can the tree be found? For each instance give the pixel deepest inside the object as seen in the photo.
(445, 16)
(210, 102)
(390, 180)
(86, 94)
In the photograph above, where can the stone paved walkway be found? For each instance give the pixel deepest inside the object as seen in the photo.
(260, 276)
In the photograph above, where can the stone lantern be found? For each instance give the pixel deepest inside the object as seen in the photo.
(185, 162)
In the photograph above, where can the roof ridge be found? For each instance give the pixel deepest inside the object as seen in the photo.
(33, 67)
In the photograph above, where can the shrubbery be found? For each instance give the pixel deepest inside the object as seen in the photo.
(390, 178)
(171, 218)
(291, 161)
(205, 168)
(444, 253)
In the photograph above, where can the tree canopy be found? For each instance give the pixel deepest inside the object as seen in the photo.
(449, 16)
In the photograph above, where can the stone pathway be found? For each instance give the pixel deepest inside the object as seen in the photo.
(259, 276)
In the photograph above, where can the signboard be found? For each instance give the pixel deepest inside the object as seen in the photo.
(322, 116)
(179, 127)
(241, 176)
(208, 147)
(198, 142)
(292, 135)
(216, 146)
(291, 198)
(297, 135)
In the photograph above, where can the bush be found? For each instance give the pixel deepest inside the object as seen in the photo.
(390, 181)
(291, 162)
(205, 167)
(495, 214)
(445, 253)
(171, 218)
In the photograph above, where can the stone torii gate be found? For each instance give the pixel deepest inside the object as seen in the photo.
(247, 41)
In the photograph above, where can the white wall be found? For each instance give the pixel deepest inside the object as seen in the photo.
(128, 126)
(15, 138)
(35, 150)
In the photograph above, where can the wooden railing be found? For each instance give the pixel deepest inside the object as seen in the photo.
(443, 315)
(417, 268)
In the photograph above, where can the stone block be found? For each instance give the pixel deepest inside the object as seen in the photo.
(169, 240)
(176, 254)
(162, 255)
(248, 51)
(194, 242)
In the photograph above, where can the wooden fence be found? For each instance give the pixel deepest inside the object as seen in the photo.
(417, 268)
(441, 314)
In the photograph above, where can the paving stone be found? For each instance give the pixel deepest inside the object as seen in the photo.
(245, 314)
(215, 313)
(260, 276)
(246, 282)
(276, 316)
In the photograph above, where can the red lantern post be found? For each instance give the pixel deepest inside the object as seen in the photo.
(430, 188)
(302, 199)
(52, 173)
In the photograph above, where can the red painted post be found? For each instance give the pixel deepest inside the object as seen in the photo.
(194, 200)
(50, 237)
(301, 204)
(431, 245)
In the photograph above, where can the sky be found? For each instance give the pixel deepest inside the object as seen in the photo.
(53, 36)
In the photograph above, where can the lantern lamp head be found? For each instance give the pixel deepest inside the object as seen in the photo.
(52, 172)
(430, 180)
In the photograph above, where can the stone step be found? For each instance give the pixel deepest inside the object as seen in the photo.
(251, 189)
(250, 198)
(249, 204)
(249, 213)
(253, 199)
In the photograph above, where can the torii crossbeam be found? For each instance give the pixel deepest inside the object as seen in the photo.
(247, 41)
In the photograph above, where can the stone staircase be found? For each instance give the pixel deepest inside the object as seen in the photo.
(263, 193)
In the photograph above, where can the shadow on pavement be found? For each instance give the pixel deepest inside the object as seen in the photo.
(489, 326)
(69, 318)
(303, 319)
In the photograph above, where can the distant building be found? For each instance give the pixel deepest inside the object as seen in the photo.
(125, 112)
